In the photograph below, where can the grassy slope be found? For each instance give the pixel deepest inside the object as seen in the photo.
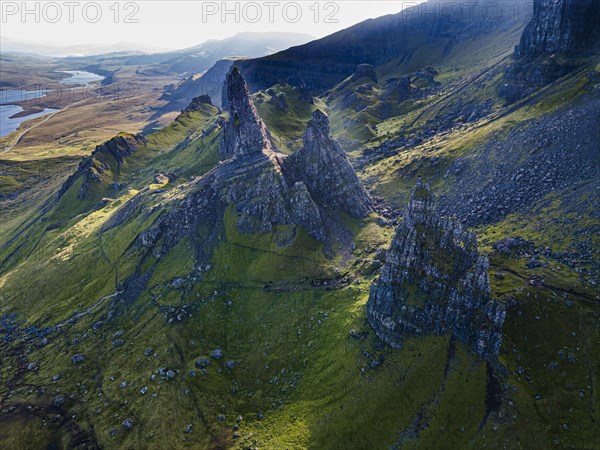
(286, 127)
(295, 361)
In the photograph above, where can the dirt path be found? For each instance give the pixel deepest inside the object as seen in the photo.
(87, 311)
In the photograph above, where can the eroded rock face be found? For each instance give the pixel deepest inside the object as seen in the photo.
(244, 133)
(435, 282)
(570, 28)
(323, 166)
(562, 26)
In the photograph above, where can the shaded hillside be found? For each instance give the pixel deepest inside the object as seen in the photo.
(409, 40)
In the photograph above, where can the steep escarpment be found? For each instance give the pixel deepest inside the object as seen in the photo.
(434, 281)
(562, 26)
(556, 41)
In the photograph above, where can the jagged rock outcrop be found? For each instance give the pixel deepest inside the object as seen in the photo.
(567, 27)
(435, 282)
(404, 89)
(365, 71)
(106, 158)
(280, 101)
(265, 188)
(197, 103)
(244, 133)
(323, 166)
(562, 26)
(304, 94)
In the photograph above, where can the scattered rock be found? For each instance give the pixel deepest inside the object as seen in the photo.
(58, 401)
(202, 363)
(513, 246)
(217, 354)
(77, 359)
(127, 424)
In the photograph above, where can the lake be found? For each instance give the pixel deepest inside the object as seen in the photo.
(8, 124)
(81, 77)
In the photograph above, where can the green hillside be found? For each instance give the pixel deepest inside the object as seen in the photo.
(129, 320)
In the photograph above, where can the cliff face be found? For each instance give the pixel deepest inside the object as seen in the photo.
(435, 282)
(567, 27)
(562, 26)
(197, 103)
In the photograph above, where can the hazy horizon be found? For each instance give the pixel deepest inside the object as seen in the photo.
(50, 27)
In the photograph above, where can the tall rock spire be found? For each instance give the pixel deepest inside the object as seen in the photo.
(324, 168)
(435, 282)
(244, 133)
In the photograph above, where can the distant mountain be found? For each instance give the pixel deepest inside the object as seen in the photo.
(24, 46)
(236, 48)
(201, 57)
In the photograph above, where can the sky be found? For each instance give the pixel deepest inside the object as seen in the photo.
(167, 25)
